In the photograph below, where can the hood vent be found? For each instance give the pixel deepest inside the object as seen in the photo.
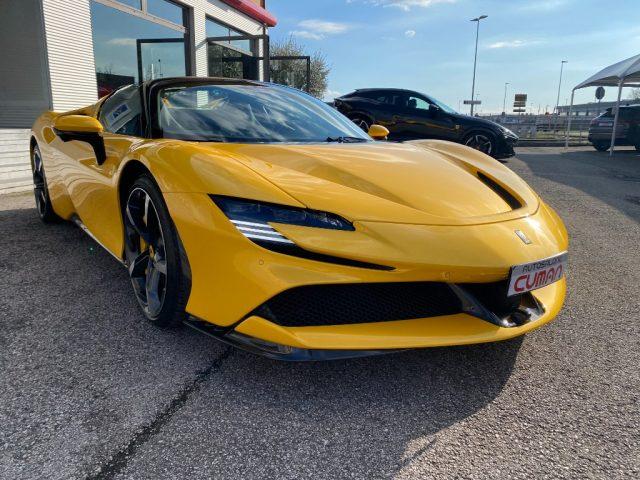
(512, 201)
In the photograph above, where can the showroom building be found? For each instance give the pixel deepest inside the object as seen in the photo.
(63, 54)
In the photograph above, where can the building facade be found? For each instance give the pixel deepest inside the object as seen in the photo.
(64, 54)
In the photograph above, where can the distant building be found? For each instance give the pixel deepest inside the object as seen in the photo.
(592, 109)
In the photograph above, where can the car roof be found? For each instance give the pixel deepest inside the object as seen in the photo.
(201, 80)
(385, 88)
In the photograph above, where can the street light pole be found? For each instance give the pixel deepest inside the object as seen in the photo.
(475, 58)
(560, 84)
(504, 102)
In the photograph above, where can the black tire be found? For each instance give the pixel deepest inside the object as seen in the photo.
(156, 260)
(601, 146)
(41, 189)
(363, 122)
(481, 141)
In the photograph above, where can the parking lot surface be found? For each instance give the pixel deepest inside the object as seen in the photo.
(89, 390)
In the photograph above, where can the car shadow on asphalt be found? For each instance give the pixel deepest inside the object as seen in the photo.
(386, 409)
(614, 180)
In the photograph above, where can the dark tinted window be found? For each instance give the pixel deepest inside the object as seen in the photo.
(121, 113)
(384, 96)
(630, 113)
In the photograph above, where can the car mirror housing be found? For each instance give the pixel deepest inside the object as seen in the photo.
(82, 128)
(378, 132)
(77, 124)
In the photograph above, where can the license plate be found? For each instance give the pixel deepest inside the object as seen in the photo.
(605, 124)
(534, 275)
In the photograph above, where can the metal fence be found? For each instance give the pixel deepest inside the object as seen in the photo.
(545, 127)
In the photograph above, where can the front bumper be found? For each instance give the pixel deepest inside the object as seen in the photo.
(505, 147)
(232, 277)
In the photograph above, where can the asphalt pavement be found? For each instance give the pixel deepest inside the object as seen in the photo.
(89, 390)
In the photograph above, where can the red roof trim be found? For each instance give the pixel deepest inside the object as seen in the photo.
(254, 11)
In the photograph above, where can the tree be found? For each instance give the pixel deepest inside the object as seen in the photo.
(635, 94)
(294, 72)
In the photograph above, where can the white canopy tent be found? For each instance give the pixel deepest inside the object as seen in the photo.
(622, 74)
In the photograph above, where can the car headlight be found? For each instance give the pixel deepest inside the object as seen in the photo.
(507, 133)
(252, 218)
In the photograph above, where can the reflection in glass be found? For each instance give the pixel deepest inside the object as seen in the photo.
(216, 29)
(250, 114)
(167, 10)
(132, 3)
(115, 38)
(228, 63)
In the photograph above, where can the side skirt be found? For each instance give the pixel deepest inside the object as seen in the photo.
(75, 219)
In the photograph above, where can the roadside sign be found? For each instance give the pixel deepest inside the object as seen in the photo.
(599, 93)
(519, 110)
(472, 102)
(520, 100)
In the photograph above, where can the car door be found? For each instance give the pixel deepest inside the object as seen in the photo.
(423, 119)
(92, 185)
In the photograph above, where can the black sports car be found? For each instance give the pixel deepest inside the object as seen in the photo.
(411, 115)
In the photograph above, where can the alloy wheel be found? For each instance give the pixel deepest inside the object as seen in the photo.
(481, 142)
(145, 252)
(39, 184)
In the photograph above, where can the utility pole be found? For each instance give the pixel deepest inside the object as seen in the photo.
(560, 84)
(475, 58)
(504, 102)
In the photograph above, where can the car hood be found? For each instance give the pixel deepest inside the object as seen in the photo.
(422, 182)
(476, 121)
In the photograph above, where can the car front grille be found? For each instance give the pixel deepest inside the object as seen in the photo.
(316, 305)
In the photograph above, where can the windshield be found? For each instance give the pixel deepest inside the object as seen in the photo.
(250, 114)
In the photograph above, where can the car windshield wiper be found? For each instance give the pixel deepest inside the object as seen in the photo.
(346, 139)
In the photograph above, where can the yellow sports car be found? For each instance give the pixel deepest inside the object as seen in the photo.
(262, 216)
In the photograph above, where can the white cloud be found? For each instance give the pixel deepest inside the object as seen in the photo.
(513, 43)
(318, 29)
(122, 41)
(410, 33)
(322, 26)
(405, 5)
(306, 34)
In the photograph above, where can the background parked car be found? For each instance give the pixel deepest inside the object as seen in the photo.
(412, 115)
(627, 130)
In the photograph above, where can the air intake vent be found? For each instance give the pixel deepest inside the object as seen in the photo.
(316, 305)
(512, 201)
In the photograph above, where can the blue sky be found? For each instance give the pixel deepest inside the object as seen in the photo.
(427, 45)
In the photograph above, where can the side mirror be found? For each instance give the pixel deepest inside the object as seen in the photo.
(378, 132)
(434, 109)
(82, 128)
(77, 124)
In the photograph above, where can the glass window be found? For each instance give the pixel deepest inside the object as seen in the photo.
(216, 29)
(132, 3)
(116, 36)
(167, 10)
(417, 103)
(121, 113)
(249, 114)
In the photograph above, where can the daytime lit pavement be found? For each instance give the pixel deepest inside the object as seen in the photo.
(90, 389)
